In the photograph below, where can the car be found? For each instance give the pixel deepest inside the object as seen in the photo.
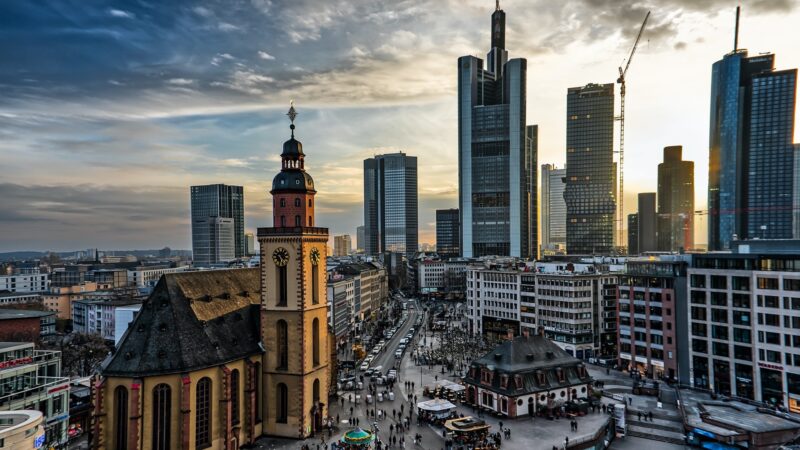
(364, 365)
(398, 353)
(378, 369)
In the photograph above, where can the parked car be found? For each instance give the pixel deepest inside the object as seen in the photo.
(364, 365)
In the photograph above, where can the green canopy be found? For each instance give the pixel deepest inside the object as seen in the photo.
(358, 436)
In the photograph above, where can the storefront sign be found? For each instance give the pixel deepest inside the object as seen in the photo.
(770, 366)
(15, 362)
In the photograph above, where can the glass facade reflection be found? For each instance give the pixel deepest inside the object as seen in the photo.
(390, 204)
(447, 233)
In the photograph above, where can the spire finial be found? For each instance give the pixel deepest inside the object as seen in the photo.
(497, 5)
(292, 114)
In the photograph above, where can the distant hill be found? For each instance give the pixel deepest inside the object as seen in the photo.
(23, 255)
(13, 256)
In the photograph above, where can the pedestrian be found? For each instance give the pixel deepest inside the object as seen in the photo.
(630, 401)
(639, 415)
(566, 442)
(650, 415)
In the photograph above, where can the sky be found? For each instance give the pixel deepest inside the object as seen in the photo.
(110, 110)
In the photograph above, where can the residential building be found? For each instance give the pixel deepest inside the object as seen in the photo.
(390, 204)
(107, 279)
(647, 221)
(61, 298)
(652, 305)
(496, 153)
(524, 376)
(341, 295)
(249, 244)
(31, 378)
(148, 276)
(633, 234)
(123, 318)
(213, 241)
(22, 429)
(216, 201)
(29, 282)
(675, 202)
(16, 298)
(553, 210)
(98, 316)
(751, 175)
(590, 191)
(342, 245)
(26, 325)
(70, 275)
(361, 239)
(448, 233)
(745, 322)
(370, 288)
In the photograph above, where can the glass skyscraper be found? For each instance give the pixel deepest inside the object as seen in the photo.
(497, 153)
(553, 209)
(751, 178)
(591, 179)
(216, 200)
(675, 202)
(390, 204)
(447, 233)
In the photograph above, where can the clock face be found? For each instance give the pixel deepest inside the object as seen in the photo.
(315, 256)
(280, 256)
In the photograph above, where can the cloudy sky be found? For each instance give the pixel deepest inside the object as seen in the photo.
(109, 110)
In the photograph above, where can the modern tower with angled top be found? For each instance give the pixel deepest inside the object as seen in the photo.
(496, 153)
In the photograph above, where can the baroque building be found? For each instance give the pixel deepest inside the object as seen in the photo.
(216, 359)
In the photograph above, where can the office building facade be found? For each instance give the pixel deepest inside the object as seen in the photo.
(553, 210)
(213, 241)
(647, 222)
(590, 179)
(217, 200)
(448, 234)
(497, 153)
(361, 238)
(390, 204)
(633, 234)
(751, 177)
(342, 245)
(675, 202)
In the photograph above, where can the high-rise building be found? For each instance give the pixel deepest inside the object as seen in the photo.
(390, 204)
(218, 200)
(751, 175)
(250, 244)
(342, 245)
(361, 238)
(647, 222)
(448, 237)
(213, 240)
(675, 202)
(590, 180)
(553, 209)
(633, 234)
(497, 153)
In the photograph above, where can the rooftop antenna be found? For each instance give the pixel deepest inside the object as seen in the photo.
(736, 33)
(497, 5)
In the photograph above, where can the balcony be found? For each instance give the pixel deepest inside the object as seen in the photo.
(43, 385)
(282, 231)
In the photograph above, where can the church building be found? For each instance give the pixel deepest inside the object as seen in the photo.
(217, 359)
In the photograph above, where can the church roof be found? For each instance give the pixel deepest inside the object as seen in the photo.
(192, 320)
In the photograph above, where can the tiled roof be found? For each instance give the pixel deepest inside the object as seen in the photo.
(192, 320)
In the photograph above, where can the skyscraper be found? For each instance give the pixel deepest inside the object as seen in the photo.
(447, 233)
(647, 222)
(212, 241)
(497, 153)
(390, 204)
(553, 209)
(360, 238)
(751, 173)
(590, 179)
(219, 200)
(675, 202)
(342, 245)
(250, 244)
(633, 234)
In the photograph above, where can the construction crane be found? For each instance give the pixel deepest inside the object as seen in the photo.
(621, 118)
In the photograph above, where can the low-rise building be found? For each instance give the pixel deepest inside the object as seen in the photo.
(61, 298)
(436, 275)
(28, 282)
(22, 325)
(31, 379)
(147, 276)
(371, 288)
(16, 298)
(98, 316)
(526, 376)
(21, 429)
(123, 317)
(341, 296)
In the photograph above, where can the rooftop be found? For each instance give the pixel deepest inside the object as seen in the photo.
(11, 314)
(732, 418)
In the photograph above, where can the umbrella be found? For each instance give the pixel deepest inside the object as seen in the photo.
(358, 436)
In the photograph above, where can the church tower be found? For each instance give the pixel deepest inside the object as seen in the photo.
(296, 367)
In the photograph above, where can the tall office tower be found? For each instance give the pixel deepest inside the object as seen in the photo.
(590, 189)
(341, 245)
(249, 244)
(448, 236)
(647, 222)
(675, 202)
(496, 153)
(360, 238)
(633, 234)
(751, 173)
(213, 241)
(220, 200)
(553, 209)
(390, 204)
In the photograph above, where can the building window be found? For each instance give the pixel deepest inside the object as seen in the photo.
(316, 391)
(315, 284)
(297, 202)
(297, 221)
(283, 202)
(309, 203)
(283, 345)
(283, 284)
(315, 341)
(162, 410)
(121, 417)
(282, 404)
(203, 413)
(235, 396)
(283, 221)
(257, 382)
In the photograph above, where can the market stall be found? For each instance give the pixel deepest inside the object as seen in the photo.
(470, 432)
(435, 411)
(357, 439)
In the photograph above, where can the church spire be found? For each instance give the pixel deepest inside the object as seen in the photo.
(292, 114)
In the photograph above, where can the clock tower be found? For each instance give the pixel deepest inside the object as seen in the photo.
(296, 368)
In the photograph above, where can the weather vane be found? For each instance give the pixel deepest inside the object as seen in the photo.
(292, 114)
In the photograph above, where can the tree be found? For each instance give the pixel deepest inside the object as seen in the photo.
(82, 353)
